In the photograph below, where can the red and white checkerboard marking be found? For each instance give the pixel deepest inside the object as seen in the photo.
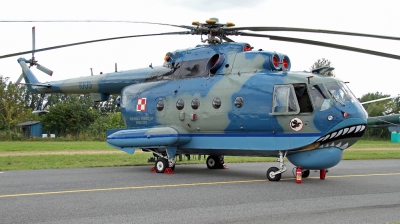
(141, 104)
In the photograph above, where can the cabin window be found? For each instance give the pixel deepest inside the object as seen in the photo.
(216, 103)
(195, 104)
(303, 98)
(284, 100)
(160, 105)
(320, 97)
(239, 101)
(180, 104)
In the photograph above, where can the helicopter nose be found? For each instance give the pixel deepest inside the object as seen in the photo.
(331, 146)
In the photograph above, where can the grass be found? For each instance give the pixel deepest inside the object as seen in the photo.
(24, 155)
(370, 144)
(23, 146)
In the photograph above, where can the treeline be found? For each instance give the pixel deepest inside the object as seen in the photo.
(380, 108)
(78, 117)
(70, 116)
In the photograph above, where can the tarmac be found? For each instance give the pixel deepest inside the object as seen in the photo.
(362, 191)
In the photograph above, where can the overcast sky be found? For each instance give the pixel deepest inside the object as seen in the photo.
(366, 73)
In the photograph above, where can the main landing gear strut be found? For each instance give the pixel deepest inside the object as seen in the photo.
(165, 164)
(275, 173)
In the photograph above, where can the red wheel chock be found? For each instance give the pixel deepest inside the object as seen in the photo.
(224, 166)
(169, 171)
(153, 169)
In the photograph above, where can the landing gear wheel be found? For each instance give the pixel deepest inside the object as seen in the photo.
(161, 165)
(271, 176)
(211, 162)
(305, 173)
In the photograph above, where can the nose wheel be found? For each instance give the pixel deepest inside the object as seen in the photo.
(275, 173)
(271, 174)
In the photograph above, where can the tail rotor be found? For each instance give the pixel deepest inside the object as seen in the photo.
(33, 62)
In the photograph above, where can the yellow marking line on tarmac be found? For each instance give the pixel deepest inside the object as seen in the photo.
(179, 185)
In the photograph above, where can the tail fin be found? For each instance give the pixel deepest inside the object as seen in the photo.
(30, 78)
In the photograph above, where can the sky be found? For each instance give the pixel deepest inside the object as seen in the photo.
(365, 73)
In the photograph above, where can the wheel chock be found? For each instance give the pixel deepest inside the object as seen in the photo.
(169, 171)
(153, 169)
(224, 166)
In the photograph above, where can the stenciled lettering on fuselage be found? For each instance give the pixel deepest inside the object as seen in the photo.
(141, 119)
(85, 85)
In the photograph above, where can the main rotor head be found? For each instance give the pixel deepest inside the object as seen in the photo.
(214, 30)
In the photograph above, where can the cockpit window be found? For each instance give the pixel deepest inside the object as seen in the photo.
(320, 97)
(340, 93)
(284, 100)
(349, 92)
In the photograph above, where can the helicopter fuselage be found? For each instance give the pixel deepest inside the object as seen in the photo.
(228, 100)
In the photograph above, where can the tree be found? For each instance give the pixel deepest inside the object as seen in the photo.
(323, 63)
(320, 63)
(12, 105)
(377, 109)
(68, 118)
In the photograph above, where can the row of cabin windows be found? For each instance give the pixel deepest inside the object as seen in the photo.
(195, 104)
(289, 98)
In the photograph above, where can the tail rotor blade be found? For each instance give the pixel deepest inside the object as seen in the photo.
(33, 42)
(19, 79)
(44, 69)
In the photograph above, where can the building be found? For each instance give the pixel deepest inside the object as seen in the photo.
(31, 129)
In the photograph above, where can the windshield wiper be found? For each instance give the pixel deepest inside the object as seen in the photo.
(336, 98)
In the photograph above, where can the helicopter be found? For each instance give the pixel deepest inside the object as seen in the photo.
(223, 98)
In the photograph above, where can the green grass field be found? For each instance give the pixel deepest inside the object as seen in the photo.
(25, 155)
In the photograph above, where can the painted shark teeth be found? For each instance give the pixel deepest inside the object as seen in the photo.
(345, 146)
(342, 132)
(336, 138)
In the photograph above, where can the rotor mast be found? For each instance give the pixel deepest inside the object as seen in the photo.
(214, 30)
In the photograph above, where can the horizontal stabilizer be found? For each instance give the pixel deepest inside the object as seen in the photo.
(36, 84)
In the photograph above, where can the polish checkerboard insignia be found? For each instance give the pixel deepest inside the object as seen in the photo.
(141, 104)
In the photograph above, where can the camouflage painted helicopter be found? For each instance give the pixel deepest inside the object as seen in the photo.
(224, 98)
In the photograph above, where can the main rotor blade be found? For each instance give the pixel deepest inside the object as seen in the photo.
(227, 39)
(290, 29)
(94, 21)
(93, 41)
(323, 44)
